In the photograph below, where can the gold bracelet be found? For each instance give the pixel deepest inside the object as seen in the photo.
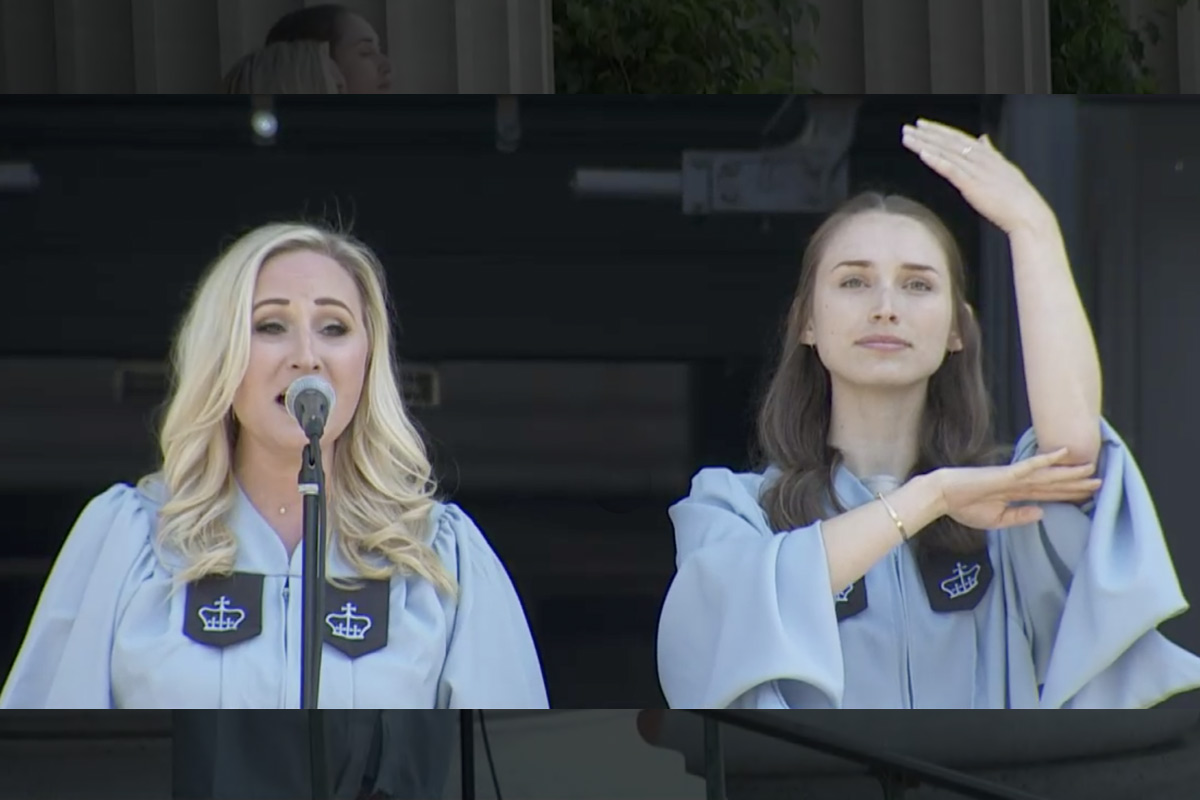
(895, 517)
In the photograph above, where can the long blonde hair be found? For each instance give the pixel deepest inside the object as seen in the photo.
(303, 67)
(381, 490)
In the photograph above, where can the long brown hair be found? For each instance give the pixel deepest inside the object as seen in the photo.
(793, 423)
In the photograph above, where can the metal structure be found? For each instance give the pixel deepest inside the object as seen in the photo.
(895, 773)
(809, 175)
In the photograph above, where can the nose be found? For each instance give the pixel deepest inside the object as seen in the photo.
(385, 65)
(305, 356)
(884, 308)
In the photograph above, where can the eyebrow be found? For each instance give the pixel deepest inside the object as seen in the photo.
(283, 301)
(908, 266)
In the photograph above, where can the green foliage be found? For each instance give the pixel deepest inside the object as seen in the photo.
(680, 46)
(1094, 49)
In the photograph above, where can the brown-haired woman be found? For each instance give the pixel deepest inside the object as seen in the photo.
(886, 556)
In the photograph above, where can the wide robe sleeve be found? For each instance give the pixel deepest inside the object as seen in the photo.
(749, 617)
(1089, 585)
(65, 659)
(491, 661)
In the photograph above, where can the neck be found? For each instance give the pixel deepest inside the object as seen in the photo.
(270, 478)
(877, 430)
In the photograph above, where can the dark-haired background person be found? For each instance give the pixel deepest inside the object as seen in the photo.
(353, 43)
(886, 556)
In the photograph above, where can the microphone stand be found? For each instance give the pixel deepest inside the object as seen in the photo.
(312, 486)
(466, 748)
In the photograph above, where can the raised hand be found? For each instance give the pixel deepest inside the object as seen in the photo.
(992, 184)
(984, 497)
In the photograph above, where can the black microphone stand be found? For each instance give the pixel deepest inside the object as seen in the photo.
(466, 748)
(312, 486)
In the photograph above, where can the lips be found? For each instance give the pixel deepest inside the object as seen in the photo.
(883, 342)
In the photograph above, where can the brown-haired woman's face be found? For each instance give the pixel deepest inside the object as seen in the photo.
(882, 311)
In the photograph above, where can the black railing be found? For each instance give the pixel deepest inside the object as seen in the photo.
(895, 772)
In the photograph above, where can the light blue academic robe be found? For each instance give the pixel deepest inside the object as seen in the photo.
(1068, 621)
(108, 632)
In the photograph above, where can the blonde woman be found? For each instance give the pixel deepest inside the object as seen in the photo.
(301, 67)
(140, 607)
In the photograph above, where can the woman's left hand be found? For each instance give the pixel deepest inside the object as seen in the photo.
(992, 184)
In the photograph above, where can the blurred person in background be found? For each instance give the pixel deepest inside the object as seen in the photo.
(353, 44)
(286, 68)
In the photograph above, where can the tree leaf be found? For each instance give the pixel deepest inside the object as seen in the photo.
(680, 46)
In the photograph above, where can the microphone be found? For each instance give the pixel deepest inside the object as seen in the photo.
(310, 400)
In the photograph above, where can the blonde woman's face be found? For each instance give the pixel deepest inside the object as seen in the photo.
(307, 319)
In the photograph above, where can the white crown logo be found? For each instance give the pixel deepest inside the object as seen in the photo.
(962, 581)
(349, 625)
(221, 617)
(844, 595)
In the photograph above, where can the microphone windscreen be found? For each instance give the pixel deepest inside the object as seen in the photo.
(313, 383)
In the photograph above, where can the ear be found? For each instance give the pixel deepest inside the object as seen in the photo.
(954, 343)
(808, 337)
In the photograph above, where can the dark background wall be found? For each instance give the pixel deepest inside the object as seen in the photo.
(1141, 203)
(138, 195)
(592, 354)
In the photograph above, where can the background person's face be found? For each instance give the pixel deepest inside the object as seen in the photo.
(360, 59)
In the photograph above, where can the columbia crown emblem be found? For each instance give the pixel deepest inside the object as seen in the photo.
(220, 617)
(349, 625)
(962, 580)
